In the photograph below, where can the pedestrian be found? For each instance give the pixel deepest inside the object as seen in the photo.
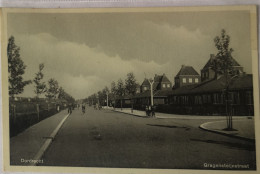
(58, 108)
(70, 108)
(147, 110)
(153, 112)
(83, 108)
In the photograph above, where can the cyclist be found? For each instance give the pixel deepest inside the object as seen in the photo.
(83, 108)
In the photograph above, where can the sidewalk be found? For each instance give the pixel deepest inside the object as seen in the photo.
(244, 129)
(29, 144)
(173, 116)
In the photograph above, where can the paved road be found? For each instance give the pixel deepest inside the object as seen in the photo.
(102, 138)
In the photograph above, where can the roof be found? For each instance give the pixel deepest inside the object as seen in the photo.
(145, 82)
(237, 82)
(212, 57)
(162, 93)
(183, 90)
(164, 79)
(157, 80)
(158, 93)
(213, 85)
(187, 70)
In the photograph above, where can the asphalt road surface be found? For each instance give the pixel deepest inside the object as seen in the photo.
(103, 138)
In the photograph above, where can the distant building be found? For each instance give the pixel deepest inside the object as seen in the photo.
(145, 86)
(161, 82)
(138, 89)
(186, 76)
(208, 73)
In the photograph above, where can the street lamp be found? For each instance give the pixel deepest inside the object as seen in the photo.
(151, 87)
(107, 98)
(97, 102)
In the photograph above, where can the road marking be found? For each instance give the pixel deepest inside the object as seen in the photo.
(47, 142)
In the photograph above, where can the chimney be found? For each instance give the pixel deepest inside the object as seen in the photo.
(182, 66)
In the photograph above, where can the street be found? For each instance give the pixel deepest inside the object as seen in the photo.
(104, 138)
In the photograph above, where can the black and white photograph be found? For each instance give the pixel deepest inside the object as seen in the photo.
(131, 88)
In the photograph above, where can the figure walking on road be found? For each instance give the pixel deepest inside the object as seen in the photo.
(70, 109)
(83, 107)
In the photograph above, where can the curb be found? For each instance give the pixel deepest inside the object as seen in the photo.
(47, 143)
(223, 133)
(183, 117)
(132, 114)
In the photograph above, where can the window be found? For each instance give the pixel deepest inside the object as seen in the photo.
(145, 88)
(168, 85)
(163, 85)
(190, 80)
(196, 80)
(184, 80)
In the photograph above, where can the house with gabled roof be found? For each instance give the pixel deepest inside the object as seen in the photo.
(208, 73)
(161, 82)
(186, 76)
(145, 86)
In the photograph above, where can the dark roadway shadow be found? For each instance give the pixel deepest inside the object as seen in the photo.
(247, 146)
(168, 126)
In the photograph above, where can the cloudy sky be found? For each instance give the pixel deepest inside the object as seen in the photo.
(87, 51)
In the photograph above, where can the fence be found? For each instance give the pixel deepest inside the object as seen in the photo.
(25, 114)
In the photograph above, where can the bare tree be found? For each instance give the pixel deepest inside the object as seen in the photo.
(130, 84)
(40, 87)
(120, 90)
(225, 66)
(53, 89)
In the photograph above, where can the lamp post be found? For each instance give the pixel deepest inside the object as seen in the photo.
(107, 98)
(97, 105)
(151, 87)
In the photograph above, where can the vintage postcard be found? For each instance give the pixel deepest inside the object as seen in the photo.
(130, 90)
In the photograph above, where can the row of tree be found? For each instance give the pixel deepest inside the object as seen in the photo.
(222, 64)
(117, 90)
(16, 69)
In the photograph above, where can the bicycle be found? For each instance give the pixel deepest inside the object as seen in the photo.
(83, 109)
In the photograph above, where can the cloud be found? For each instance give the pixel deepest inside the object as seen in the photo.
(79, 69)
(83, 68)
